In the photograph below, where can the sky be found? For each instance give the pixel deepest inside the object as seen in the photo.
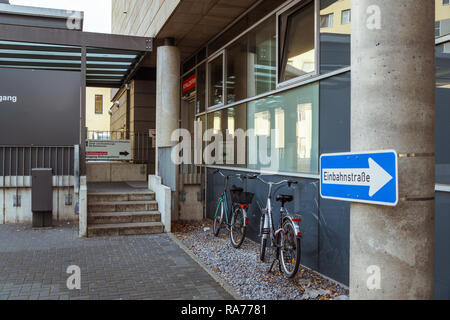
(97, 13)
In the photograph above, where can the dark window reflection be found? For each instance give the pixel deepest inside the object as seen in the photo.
(251, 63)
(216, 81)
(201, 88)
(297, 45)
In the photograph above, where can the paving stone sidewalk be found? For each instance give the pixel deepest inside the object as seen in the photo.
(33, 265)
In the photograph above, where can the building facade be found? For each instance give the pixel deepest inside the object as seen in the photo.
(97, 116)
(281, 69)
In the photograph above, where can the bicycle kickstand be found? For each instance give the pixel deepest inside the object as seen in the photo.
(273, 263)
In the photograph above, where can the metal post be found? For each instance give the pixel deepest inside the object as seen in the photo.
(83, 113)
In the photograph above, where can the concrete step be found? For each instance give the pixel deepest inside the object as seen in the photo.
(105, 230)
(122, 206)
(123, 217)
(111, 196)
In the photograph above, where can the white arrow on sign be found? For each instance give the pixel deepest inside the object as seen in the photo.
(374, 177)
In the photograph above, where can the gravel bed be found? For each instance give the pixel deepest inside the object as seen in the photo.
(244, 272)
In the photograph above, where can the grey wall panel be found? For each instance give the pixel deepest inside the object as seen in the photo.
(167, 170)
(335, 114)
(443, 113)
(334, 51)
(334, 245)
(442, 246)
(334, 242)
(306, 204)
(39, 107)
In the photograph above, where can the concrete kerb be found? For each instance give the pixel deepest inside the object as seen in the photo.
(222, 283)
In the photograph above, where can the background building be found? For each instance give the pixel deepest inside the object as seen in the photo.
(97, 112)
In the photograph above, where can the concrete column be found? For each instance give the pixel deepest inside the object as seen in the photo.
(167, 96)
(393, 107)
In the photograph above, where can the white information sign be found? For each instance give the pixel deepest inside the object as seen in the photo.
(108, 150)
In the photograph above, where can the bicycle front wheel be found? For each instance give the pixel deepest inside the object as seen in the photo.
(218, 218)
(238, 228)
(290, 251)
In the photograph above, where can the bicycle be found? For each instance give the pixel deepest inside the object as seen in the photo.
(240, 202)
(287, 238)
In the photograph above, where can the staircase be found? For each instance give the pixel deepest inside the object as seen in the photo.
(125, 213)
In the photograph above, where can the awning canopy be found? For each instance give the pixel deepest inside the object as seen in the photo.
(108, 60)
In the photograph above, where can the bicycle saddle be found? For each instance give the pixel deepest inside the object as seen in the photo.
(236, 189)
(284, 198)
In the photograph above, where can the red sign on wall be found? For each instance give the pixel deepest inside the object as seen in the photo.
(189, 83)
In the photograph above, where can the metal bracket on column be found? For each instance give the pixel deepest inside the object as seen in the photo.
(415, 155)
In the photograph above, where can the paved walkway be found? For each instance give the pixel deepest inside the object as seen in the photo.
(33, 265)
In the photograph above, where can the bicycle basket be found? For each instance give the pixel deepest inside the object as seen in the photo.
(241, 197)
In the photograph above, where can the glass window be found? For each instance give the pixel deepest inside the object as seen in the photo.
(443, 113)
(189, 86)
(251, 63)
(335, 41)
(256, 14)
(346, 17)
(201, 121)
(285, 131)
(262, 58)
(326, 21)
(98, 104)
(297, 44)
(445, 2)
(215, 73)
(225, 122)
(237, 56)
(201, 88)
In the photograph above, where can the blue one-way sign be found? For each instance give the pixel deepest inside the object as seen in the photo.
(369, 177)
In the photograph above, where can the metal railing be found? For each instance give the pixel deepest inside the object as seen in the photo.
(20, 160)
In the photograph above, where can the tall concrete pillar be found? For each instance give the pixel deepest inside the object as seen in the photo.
(393, 107)
(167, 103)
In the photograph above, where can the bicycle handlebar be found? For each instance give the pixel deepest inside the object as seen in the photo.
(253, 177)
(238, 175)
(289, 182)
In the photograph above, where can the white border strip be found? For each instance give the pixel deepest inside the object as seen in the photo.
(269, 172)
(282, 89)
(442, 187)
(442, 39)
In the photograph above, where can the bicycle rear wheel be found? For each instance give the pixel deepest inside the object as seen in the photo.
(218, 218)
(290, 251)
(238, 228)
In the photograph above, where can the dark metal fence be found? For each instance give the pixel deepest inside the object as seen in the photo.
(20, 160)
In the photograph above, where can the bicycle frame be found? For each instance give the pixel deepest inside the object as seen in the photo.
(224, 199)
(268, 227)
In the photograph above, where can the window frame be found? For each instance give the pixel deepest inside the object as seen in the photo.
(208, 61)
(95, 104)
(349, 16)
(328, 16)
(316, 43)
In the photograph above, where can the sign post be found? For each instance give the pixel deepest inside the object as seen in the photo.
(369, 177)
